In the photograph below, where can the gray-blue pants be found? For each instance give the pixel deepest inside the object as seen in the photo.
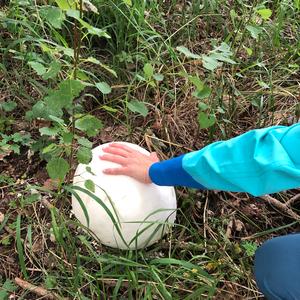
(277, 268)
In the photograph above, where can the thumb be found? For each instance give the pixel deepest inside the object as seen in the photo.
(154, 156)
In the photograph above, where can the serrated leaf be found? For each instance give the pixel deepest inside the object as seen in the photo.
(89, 124)
(187, 52)
(265, 13)
(103, 87)
(58, 168)
(84, 155)
(37, 67)
(54, 15)
(148, 71)
(206, 121)
(138, 107)
(90, 185)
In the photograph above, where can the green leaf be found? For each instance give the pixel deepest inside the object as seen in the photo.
(138, 107)
(51, 131)
(158, 77)
(221, 53)
(84, 142)
(50, 282)
(90, 185)
(187, 52)
(210, 63)
(265, 13)
(103, 87)
(43, 110)
(53, 70)
(8, 106)
(9, 286)
(63, 97)
(54, 15)
(204, 93)
(195, 80)
(203, 106)
(66, 4)
(248, 50)
(148, 71)
(67, 137)
(37, 67)
(20, 248)
(84, 155)
(57, 120)
(91, 29)
(128, 2)
(58, 168)
(206, 121)
(109, 108)
(255, 31)
(89, 124)
(50, 148)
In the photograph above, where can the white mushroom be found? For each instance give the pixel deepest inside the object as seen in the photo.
(142, 213)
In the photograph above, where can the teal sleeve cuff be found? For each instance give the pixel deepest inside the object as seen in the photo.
(171, 173)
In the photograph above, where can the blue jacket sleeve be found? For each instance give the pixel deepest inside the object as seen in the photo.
(261, 161)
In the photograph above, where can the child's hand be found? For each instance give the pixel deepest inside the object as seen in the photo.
(133, 163)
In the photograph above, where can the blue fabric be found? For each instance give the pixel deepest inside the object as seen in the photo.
(259, 162)
(171, 173)
(277, 268)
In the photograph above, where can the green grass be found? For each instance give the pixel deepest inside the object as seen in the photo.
(152, 102)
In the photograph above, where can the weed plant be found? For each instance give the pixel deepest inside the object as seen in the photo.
(173, 75)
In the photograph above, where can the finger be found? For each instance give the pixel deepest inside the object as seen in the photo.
(154, 156)
(121, 146)
(113, 158)
(115, 151)
(116, 171)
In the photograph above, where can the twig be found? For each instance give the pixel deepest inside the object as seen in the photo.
(37, 290)
(283, 207)
(292, 200)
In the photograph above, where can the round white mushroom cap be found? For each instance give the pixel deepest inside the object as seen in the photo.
(140, 214)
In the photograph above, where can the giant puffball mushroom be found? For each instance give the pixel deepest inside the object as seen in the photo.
(140, 214)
